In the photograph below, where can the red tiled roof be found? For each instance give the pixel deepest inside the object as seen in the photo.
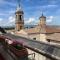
(46, 29)
(52, 30)
(55, 37)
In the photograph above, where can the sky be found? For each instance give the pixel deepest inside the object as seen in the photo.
(32, 11)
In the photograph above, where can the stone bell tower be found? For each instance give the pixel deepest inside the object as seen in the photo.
(42, 20)
(42, 25)
(19, 18)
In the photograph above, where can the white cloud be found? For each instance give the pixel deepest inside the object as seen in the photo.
(10, 22)
(43, 6)
(6, 2)
(2, 14)
(11, 19)
(53, 1)
(10, 3)
(1, 19)
(30, 20)
(51, 5)
(2, 22)
(49, 19)
(11, 11)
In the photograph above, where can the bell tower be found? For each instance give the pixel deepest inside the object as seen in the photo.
(42, 20)
(19, 18)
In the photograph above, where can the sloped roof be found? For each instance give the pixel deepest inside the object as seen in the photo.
(32, 30)
(50, 29)
(55, 36)
(46, 29)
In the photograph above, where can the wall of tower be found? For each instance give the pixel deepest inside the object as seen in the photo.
(42, 21)
(19, 22)
(19, 27)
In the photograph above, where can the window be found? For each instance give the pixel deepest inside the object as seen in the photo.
(34, 38)
(20, 27)
(20, 17)
(48, 40)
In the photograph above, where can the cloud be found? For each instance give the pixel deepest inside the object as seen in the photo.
(10, 22)
(11, 19)
(2, 22)
(54, 1)
(1, 19)
(30, 20)
(11, 11)
(6, 2)
(41, 7)
(10, 3)
(49, 19)
(51, 5)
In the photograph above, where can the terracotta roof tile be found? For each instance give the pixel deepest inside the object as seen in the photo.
(52, 30)
(46, 29)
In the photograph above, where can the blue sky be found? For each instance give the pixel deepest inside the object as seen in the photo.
(32, 11)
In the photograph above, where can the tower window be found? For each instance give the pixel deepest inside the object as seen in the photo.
(20, 27)
(20, 17)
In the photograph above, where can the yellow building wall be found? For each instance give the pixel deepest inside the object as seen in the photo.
(39, 37)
